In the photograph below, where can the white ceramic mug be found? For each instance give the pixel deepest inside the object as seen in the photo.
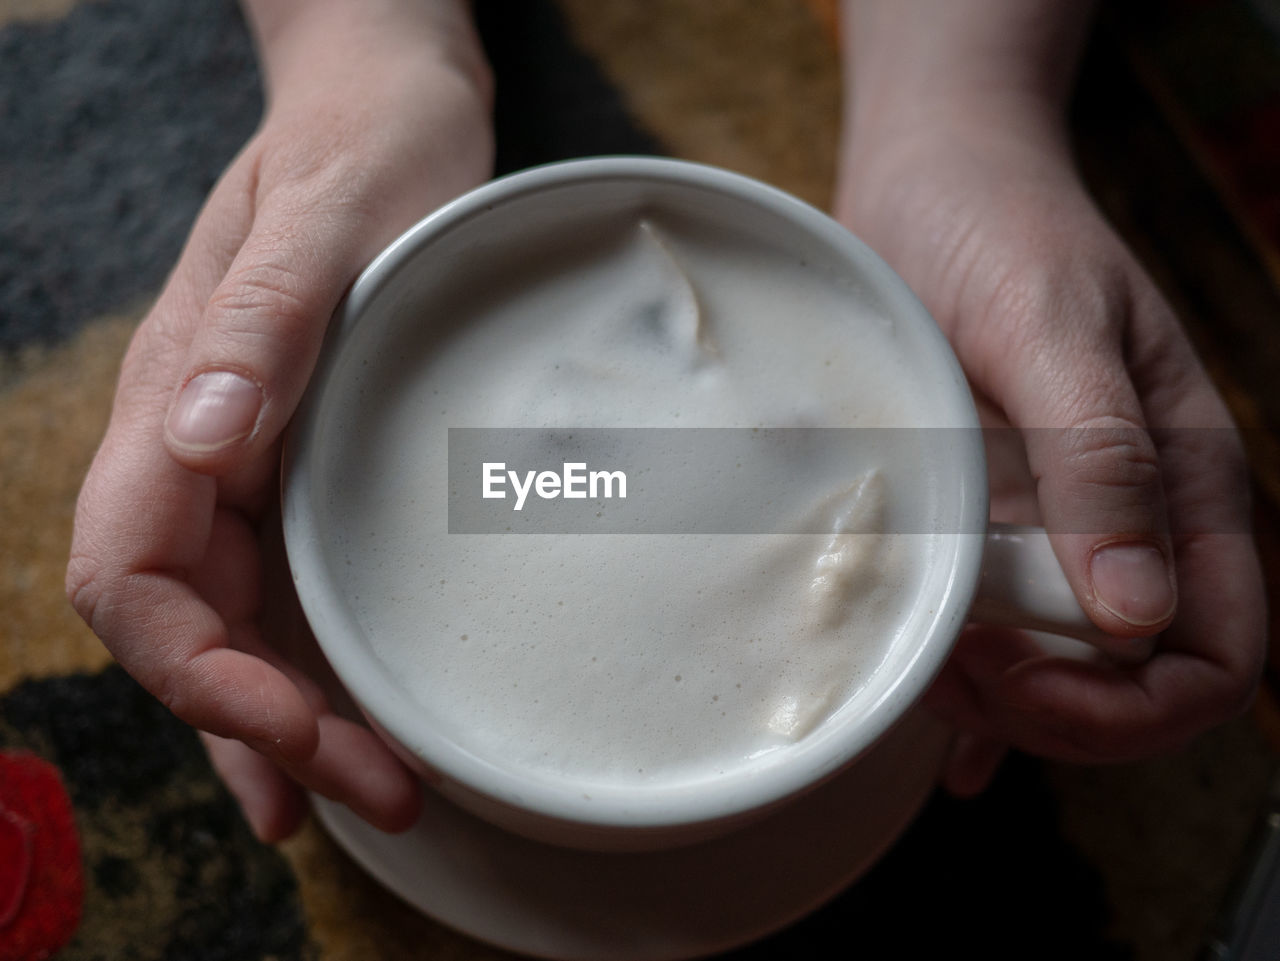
(1022, 584)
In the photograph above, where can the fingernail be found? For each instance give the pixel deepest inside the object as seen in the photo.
(1133, 582)
(213, 411)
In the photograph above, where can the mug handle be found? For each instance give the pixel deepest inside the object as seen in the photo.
(1023, 586)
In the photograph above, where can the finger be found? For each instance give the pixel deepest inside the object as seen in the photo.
(1204, 673)
(968, 692)
(1004, 684)
(1065, 384)
(1208, 662)
(144, 526)
(258, 338)
(230, 579)
(971, 764)
(178, 649)
(272, 803)
(354, 767)
(350, 764)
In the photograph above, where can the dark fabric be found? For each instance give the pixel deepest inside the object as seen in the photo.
(171, 871)
(115, 122)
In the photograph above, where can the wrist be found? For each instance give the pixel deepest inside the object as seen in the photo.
(913, 66)
(299, 40)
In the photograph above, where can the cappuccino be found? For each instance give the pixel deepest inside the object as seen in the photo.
(633, 657)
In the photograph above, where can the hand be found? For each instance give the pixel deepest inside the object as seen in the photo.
(378, 112)
(977, 205)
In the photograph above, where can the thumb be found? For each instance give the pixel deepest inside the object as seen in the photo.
(261, 332)
(1103, 504)
(1097, 470)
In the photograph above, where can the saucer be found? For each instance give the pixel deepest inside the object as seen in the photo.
(566, 904)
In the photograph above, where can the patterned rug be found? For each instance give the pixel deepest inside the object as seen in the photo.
(117, 116)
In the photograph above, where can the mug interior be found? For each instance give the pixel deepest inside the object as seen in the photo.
(507, 225)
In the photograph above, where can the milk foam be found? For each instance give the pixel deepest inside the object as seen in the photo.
(633, 658)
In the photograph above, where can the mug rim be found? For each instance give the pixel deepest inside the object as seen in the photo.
(725, 796)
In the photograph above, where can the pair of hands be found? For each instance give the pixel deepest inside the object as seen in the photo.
(173, 563)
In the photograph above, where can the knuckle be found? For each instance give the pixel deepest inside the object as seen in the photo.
(267, 301)
(267, 286)
(1111, 459)
(1085, 299)
(310, 184)
(84, 585)
(1053, 317)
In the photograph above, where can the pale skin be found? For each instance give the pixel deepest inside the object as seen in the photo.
(377, 113)
(954, 166)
